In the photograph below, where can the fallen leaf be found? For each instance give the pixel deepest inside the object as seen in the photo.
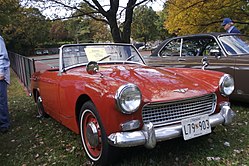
(227, 144)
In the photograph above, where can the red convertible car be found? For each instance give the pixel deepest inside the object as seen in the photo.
(107, 94)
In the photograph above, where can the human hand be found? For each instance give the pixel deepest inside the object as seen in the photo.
(1, 77)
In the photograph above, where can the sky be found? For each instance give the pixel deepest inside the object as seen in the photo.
(157, 5)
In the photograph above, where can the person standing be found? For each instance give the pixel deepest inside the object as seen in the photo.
(4, 81)
(229, 26)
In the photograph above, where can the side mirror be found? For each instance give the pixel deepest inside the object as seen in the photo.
(215, 52)
(92, 67)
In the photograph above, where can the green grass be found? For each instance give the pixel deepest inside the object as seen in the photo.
(34, 141)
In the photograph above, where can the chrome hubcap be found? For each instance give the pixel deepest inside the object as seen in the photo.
(92, 134)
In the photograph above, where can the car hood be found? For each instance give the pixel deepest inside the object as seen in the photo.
(156, 84)
(161, 84)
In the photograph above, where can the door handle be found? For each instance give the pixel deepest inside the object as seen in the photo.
(181, 59)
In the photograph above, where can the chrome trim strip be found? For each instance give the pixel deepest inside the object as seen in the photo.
(107, 63)
(60, 61)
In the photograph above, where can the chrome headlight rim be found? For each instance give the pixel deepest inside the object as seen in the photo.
(120, 101)
(226, 90)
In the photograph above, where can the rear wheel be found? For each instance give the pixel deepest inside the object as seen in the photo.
(40, 108)
(94, 138)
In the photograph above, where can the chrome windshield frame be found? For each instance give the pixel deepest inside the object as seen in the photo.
(63, 68)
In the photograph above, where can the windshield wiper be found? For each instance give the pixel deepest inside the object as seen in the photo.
(104, 58)
(132, 56)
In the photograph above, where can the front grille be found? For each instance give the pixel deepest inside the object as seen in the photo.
(161, 114)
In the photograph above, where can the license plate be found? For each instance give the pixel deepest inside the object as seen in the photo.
(195, 127)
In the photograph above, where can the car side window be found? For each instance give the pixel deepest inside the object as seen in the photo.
(191, 47)
(201, 46)
(211, 46)
(172, 48)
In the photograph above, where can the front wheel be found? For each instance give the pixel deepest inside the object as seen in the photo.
(93, 136)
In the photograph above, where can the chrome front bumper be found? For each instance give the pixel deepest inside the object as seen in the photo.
(149, 135)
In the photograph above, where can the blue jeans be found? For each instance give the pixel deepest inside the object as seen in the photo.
(4, 113)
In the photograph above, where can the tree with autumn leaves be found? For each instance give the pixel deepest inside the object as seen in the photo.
(201, 16)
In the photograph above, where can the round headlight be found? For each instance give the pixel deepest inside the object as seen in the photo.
(128, 98)
(226, 85)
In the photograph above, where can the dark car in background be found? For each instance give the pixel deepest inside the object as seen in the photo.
(224, 52)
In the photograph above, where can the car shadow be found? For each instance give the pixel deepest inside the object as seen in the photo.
(239, 104)
(171, 152)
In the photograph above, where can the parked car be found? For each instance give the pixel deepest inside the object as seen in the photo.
(227, 53)
(41, 51)
(107, 94)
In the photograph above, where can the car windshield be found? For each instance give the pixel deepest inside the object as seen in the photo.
(84, 53)
(235, 45)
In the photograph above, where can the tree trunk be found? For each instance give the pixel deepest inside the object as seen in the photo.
(112, 20)
(145, 42)
(114, 29)
(117, 35)
(126, 34)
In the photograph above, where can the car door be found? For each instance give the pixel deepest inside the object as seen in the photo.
(191, 52)
(176, 54)
(168, 55)
(49, 82)
(196, 49)
(241, 75)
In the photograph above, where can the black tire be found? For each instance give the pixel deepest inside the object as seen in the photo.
(40, 108)
(96, 146)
